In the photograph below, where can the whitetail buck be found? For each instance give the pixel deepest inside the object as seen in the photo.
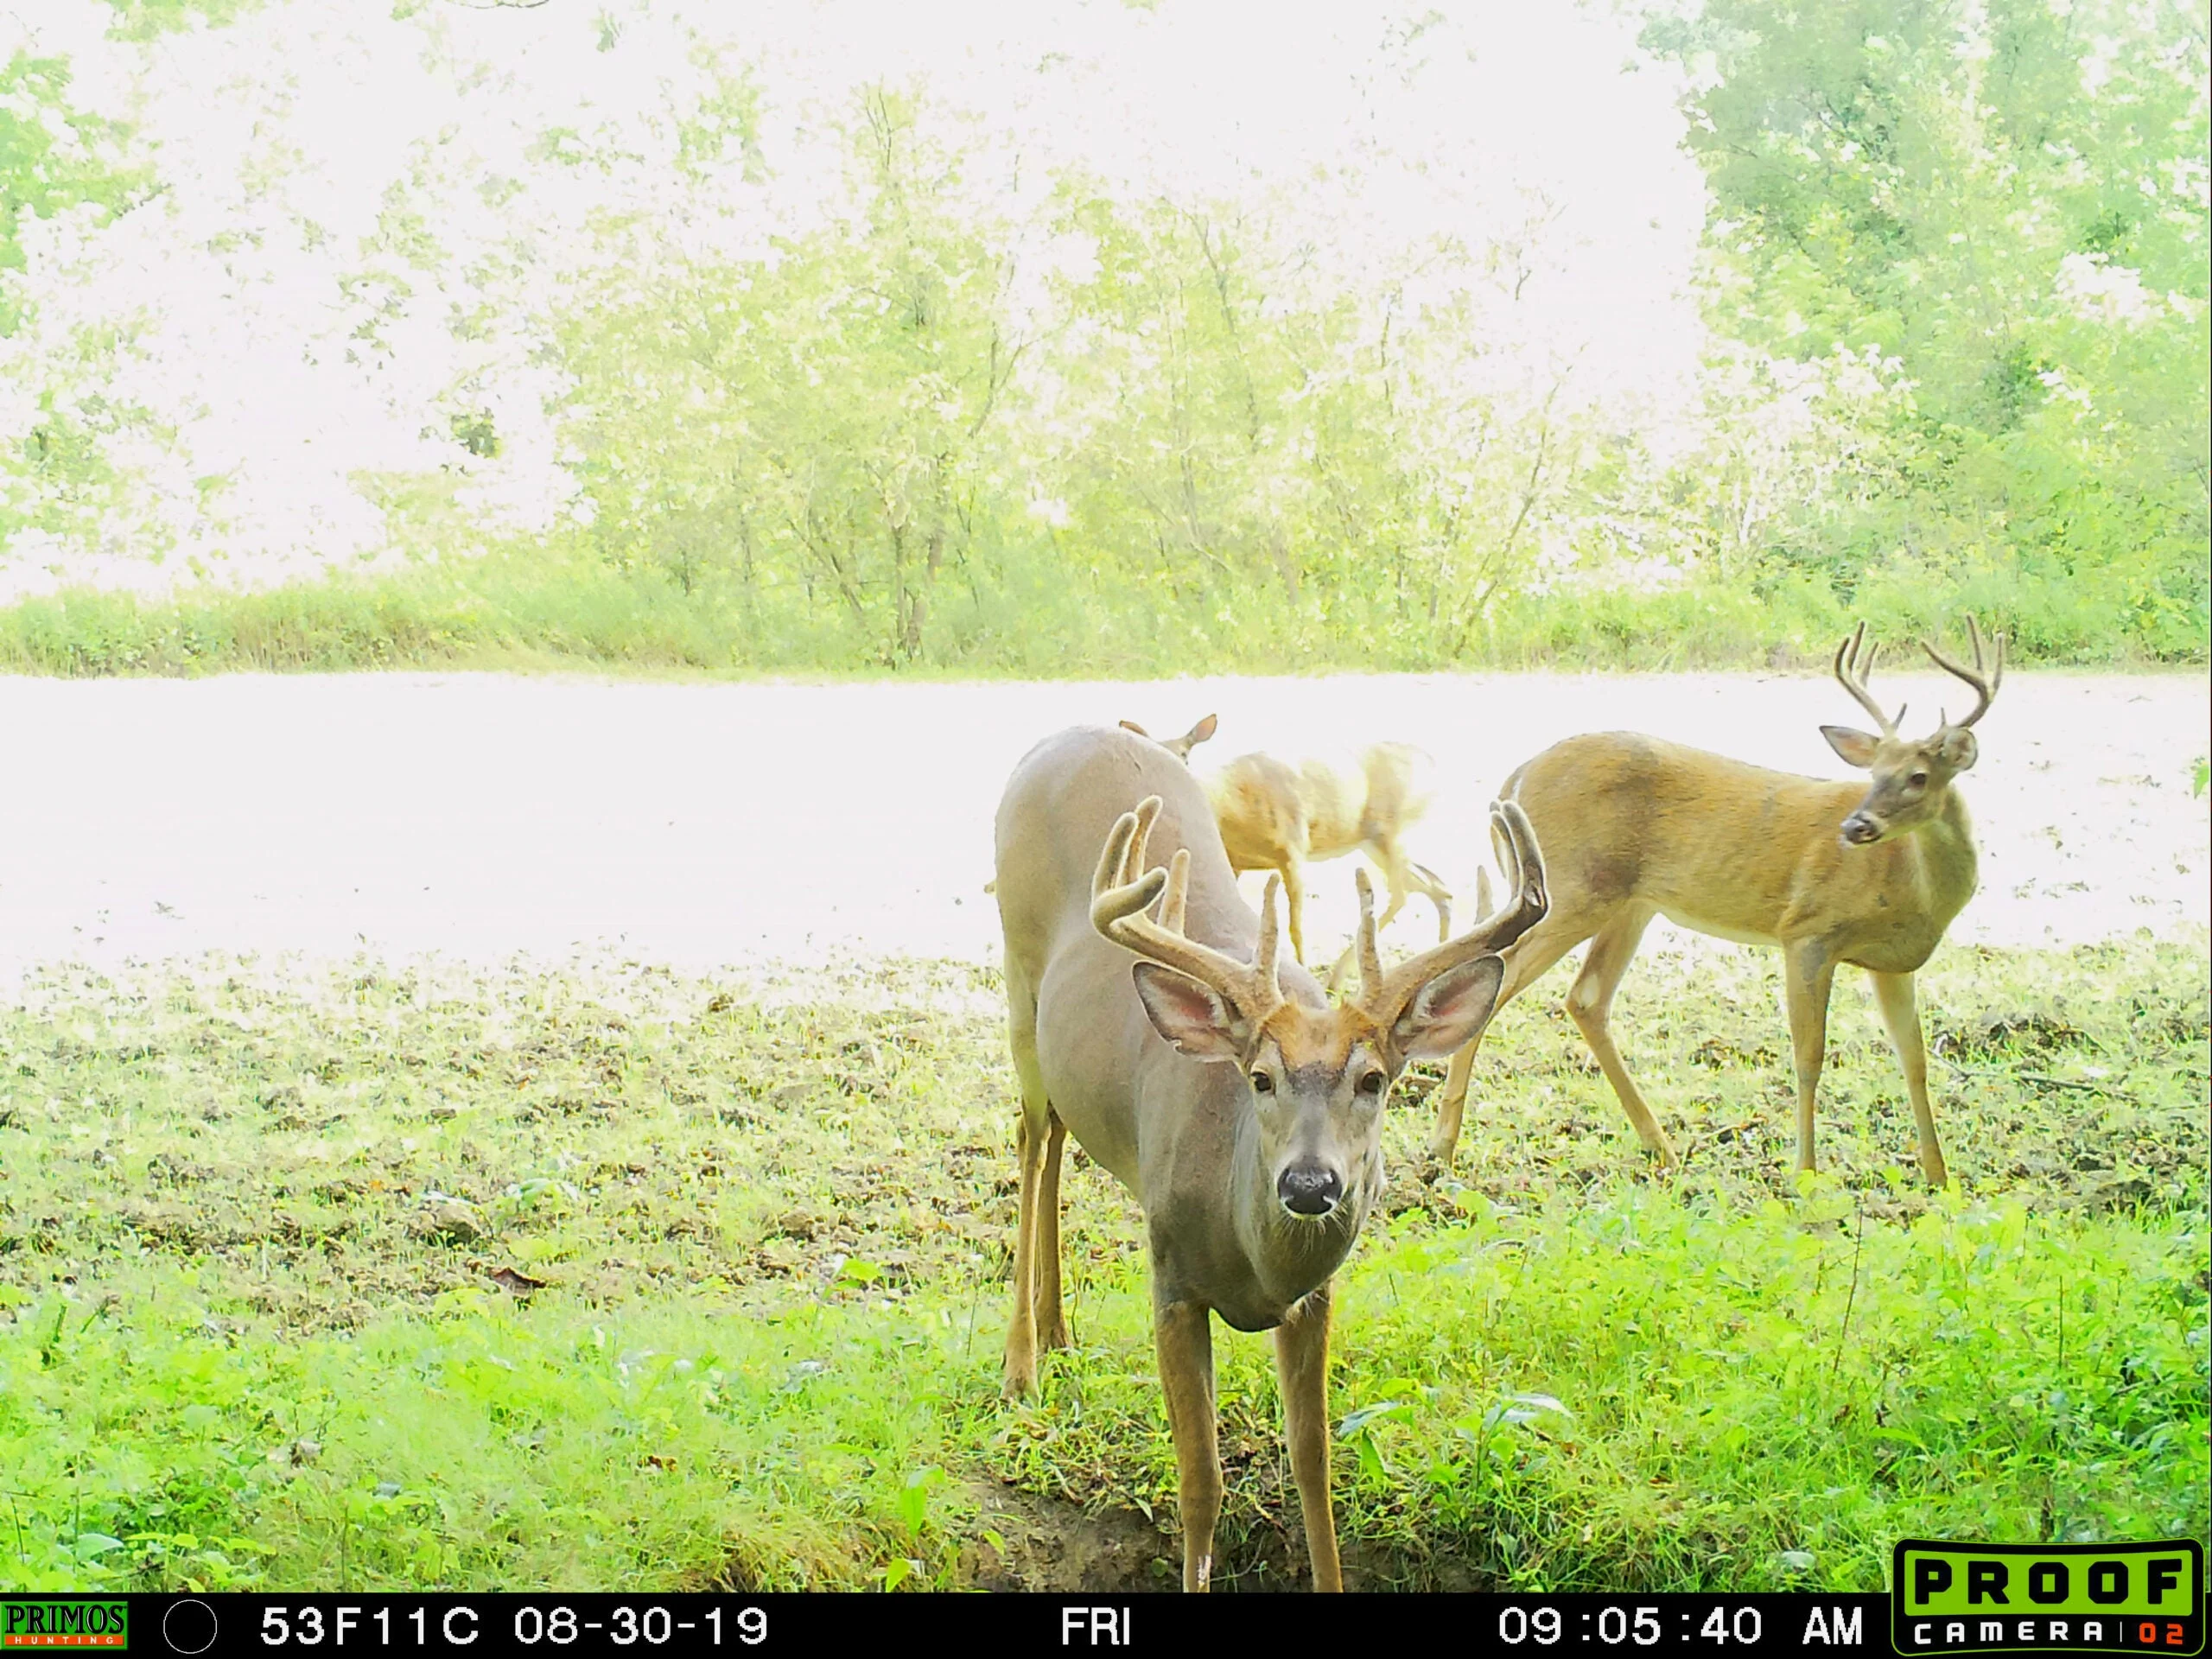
(1242, 1110)
(1180, 747)
(1634, 827)
(1276, 816)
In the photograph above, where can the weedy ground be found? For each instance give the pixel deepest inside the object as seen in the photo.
(607, 1277)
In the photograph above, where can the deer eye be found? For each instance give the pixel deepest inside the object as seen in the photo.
(1371, 1083)
(1263, 1083)
(1917, 779)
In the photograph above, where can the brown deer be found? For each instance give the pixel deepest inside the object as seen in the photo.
(1219, 1086)
(1276, 816)
(1635, 827)
(1180, 747)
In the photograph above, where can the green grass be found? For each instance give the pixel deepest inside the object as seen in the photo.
(268, 1240)
(534, 609)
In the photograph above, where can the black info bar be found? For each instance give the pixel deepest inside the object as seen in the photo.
(541, 1624)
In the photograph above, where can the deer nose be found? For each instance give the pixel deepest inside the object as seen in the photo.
(1309, 1189)
(1859, 830)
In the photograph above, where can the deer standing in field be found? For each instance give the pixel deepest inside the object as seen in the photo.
(1220, 1087)
(1180, 747)
(1277, 816)
(1635, 827)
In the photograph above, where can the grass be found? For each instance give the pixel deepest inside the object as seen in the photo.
(609, 1277)
(533, 609)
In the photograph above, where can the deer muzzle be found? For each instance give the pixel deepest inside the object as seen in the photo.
(1861, 830)
(1311, 1190)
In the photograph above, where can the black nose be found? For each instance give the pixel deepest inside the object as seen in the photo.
(1859, 830)
(1309, 1189)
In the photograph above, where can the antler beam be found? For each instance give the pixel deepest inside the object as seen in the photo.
(1983, 677)
(1853, 666)
(1120, 896)
(1383, 996)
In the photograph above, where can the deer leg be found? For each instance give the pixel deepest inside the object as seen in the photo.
(1590, 1000)
(1541, 947)
(1427, 880)
(1807, 974)
(1893, 994)
(1293, 890)
(1443, 1139)
(1183, 1333)
(1052, 1326)
(1302, 1369)
(1020, 1364)
(1397, 879)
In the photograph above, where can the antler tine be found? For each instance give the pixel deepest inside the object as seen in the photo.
(1179, 890)
(1984, 677)
(1262, 970)
(1383, 1000)
(1371, 954)
(1851, 672)
(1116, 892)
(1120, 896)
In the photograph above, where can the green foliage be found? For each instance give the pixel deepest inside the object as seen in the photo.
(2007, 205)
(53, 157)
(57, 476)
(566, 607)
(606, 1278)
(953, 417)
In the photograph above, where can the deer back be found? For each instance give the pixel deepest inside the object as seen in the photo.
(1259, 810)
(1732, 849)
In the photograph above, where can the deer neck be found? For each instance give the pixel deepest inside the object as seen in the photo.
(1948, 863)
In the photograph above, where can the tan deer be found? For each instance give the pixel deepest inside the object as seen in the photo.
(1180, 747)
(1635, 827)
(1219, 1086)
(1279, 817)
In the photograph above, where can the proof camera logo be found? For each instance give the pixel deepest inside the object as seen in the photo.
(2048, 1597)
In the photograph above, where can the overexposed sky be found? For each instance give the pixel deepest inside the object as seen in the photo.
(1368, 134)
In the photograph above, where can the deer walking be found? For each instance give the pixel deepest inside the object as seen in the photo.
(1219, 1086)
(1635, 827)
(1277, 816)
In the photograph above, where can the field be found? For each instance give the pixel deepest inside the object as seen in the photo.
(374, 1276)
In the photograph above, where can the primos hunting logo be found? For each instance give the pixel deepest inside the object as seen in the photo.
(46, 1624)
(2048, 1597)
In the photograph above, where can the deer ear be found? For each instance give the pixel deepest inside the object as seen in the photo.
(1957, 747)
(1131, 725)
(1856, 747)
(1449, 1011)
(1188, 1014)
(1203, 729)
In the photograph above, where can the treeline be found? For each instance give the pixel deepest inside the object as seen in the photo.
(1956, 278)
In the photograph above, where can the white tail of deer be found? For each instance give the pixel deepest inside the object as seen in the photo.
(1833, 873)
(1277, 816)
(1217, 1084)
